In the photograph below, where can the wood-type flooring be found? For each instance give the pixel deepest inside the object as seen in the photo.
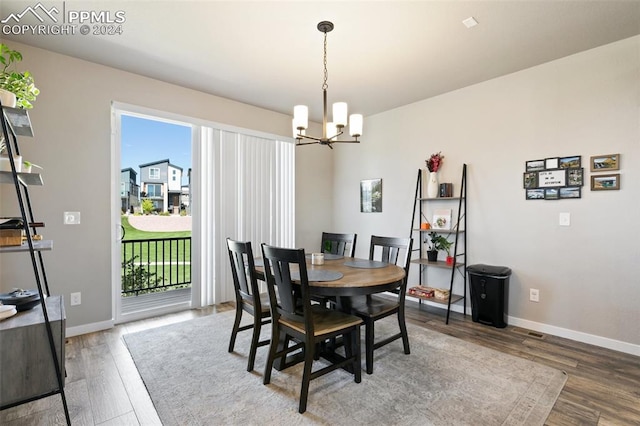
(103, 386)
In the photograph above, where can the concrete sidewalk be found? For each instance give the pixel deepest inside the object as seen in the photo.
(157, 223)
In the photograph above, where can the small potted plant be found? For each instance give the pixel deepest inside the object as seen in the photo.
(20, 84)
(437, 243)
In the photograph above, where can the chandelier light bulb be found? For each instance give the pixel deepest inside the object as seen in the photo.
(355, 125)
(340, 114)
(301, 116)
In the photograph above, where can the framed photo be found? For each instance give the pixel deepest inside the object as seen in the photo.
(551, 163)
(371, 196)
(570, 192)
(441, 219)
(605, 163)
(552, 178)
(530, 180)
(552, 193)
(575, 177)
(535, 194)
(534, 165)
(605, 182)
(569, 162)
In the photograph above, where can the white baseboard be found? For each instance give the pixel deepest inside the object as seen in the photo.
(603, 342)
(88, 328)
(578, 336)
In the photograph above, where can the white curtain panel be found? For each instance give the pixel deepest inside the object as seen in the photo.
(247, 188)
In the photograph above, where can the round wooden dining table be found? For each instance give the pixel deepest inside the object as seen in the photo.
(366, 277)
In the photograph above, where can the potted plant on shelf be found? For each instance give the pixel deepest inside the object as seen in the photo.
(15, 84)
(438, 242)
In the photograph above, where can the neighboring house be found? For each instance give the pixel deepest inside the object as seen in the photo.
(129, 190)
(161, 182)
(185, 196)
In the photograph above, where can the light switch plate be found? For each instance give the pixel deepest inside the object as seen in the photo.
(72, 218)
(565, 219)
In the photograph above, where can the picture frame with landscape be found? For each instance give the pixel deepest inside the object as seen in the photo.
(609, 182)
(534, 165)
(572, 162)
(605, 163)
(570, 192)
(535, 194)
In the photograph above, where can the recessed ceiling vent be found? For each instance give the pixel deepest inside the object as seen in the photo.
(470, 22)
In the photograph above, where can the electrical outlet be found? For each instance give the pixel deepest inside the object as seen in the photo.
(534, 295)
(72, 218)
(76, 299)
(565, 219)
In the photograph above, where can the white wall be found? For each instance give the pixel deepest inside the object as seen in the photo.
(72, 120)
(587, 104)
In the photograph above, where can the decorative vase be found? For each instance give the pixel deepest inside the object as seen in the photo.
(7, 98)
(432, 185)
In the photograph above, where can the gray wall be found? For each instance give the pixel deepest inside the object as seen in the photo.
(587, 104)
(72, 123)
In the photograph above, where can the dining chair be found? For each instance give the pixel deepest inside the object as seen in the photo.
(342, 244)
(372, 308)
(294, 317)
(248, 297)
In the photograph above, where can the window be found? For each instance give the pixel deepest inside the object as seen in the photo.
(154, 190)
(154, 173)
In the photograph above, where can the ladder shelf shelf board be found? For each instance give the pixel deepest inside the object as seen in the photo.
(423, 207)
(16, 122)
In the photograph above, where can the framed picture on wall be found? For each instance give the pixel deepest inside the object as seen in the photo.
(530, 180)
(534, 165)
(371, 196)
(535, 194)
(605, 163)
(552, 193)
(551, 163)
(575, 177)
(605, 182)
(570, 192)
(569, 162)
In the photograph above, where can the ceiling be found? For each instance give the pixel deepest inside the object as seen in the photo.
(381, 54)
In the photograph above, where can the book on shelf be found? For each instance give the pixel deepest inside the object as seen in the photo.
(446, 190)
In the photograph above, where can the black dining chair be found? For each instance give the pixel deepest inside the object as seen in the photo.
(341, 244)
(248, 297)
(294, 317)
(372, 308)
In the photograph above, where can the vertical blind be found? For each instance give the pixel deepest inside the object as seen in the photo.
(246, 192)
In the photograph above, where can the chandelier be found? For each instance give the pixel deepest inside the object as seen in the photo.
(330, 130)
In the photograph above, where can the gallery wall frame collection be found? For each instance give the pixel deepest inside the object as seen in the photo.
(557, 178)
(553, 178)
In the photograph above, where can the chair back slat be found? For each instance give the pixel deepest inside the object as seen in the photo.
(341, 244)
(392, 250)
(243, 268)
(287, 298)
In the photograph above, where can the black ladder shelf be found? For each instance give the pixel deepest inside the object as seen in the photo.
(16, 122)
(422, 207)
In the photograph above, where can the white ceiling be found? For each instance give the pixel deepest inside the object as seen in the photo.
(381, 54)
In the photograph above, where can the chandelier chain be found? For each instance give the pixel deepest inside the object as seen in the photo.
(326, 73)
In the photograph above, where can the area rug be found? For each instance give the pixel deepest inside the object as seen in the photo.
(193, 380)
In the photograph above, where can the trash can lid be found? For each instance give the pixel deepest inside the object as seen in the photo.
(481, 269)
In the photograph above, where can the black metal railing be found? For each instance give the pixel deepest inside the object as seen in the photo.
(152, 266)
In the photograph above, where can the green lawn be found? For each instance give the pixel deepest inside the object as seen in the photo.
(151, 256)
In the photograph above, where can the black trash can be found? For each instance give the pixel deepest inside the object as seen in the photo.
(489, 288)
